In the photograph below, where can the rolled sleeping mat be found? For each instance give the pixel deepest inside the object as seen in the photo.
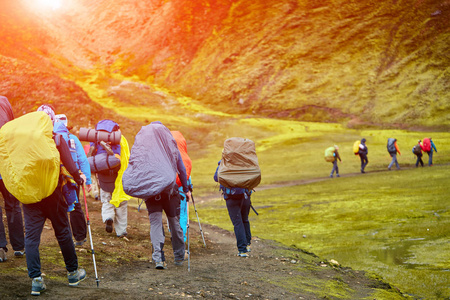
(92, 135)
(103, 162)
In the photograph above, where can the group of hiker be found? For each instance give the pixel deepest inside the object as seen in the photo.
(360, 148)
(45, 167)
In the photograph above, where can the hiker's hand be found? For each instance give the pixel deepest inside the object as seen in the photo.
(88, 187)
(188, 195)
(79, 181)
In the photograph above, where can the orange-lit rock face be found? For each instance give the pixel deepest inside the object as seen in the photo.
(312, 61)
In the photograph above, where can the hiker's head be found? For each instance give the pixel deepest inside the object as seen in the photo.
(419, 141)
(363, 140)
(336, 147)
(49, 110)
(61, 118)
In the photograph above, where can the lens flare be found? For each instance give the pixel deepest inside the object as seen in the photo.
(53, 4)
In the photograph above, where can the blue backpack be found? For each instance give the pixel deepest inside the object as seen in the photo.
(109, 126)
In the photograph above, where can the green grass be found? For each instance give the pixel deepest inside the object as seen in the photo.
(394, 224)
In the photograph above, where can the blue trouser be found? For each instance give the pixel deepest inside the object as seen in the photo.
(394, 160)
(335, 168)
(54, 207)
(14, 220)
(430, 158)
(419, 160)
(364, 160)
(238, 210)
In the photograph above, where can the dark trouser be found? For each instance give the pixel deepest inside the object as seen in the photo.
(364, 161)
(419, 160)
(335, 167)
(54, 208)
(14, 219)
(78, 223)
(170, 205)
(238, 210)
(430, 158)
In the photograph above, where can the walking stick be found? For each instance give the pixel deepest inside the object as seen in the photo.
(198, 219)
(90, 236)
(187, 229)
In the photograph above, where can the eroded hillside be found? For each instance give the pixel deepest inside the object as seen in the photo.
(382, 62)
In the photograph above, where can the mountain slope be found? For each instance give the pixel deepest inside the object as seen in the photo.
(382, 62)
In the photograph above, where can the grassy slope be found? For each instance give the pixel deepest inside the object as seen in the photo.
(391, 223)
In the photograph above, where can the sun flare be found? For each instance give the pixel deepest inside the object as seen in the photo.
(53, 4)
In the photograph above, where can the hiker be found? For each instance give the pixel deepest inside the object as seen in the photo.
(77, 219)
(31, 188)
(114, 200)
(393, 149)
(238, 173)
(183, 214)
(428, 146)
(151, 175)
(238, 205)
(417, 150)
(12, 205)
(363, 151)
(332, 155)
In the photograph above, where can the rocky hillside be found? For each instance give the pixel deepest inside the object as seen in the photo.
(380, 62)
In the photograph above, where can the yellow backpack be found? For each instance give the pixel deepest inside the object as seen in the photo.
(356, 147)
(29, 159)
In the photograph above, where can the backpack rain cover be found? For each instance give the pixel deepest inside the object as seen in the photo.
(29, 160)
(239, 166)
(152, 168)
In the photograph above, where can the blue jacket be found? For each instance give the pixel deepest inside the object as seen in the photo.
(230, 191)
(76, 150)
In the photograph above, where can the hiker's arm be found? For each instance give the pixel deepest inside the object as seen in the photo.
(67, 161)
(83, 161)
(182, 173)
(216, 177)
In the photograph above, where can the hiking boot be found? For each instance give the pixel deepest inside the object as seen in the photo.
(76, 277)
(249, 249)
(178, 262)
(109, 225)
(337, 175)
(37, 286)
(2, 255)
(243, 254)
(331, 176)
(80, 243)
(19, 253)
(161, 265)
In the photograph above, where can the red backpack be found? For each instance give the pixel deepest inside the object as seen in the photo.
(426, 145)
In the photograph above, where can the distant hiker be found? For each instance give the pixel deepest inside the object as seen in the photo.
(12, 205)
(428, 147)
(113, 198)
(332, 155)
(40, 191)
(77, 219)
(151, 175)
(393, 149)
(238, 173)
(363, 151)
(182, 147)
(417, 150)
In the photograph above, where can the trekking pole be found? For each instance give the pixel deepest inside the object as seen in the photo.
(187, 229)
(90, 236)
(254, 210)
(198, 219)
